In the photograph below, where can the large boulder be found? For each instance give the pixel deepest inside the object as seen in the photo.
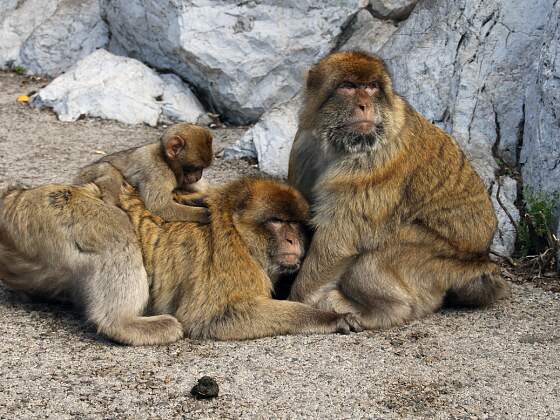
(540, 154)
(272, 138)
(119, 88)
(49, 36)
(245, 57)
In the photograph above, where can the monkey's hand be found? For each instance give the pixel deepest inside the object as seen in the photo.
(348, 323)
(195, 199)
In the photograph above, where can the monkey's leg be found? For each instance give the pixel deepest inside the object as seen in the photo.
(480, 291)
(116, 296)
(106, 177)
(265, 317)
(175, 212)
(381, 297)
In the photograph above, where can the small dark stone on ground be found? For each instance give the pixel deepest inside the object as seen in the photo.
(205, 388)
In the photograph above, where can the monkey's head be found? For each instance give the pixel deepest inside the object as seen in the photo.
(188, 151)
(270, 217)
(348, 100)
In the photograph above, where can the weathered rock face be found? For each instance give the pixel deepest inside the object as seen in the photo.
(49, 36)
(272, 137)
(392, 9)
(118, 88)
(540, 155)
(483, 70)
(245, 56)
(368, 33)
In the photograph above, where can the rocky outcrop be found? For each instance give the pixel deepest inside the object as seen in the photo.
(118, 88)
(244, 57)
(540, 154)
(49, 36)
(484, 71)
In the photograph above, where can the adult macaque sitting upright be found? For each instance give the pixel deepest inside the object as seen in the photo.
(402, 221)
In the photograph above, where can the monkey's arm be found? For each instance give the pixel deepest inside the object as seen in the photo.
(263, 317)
(332, 251)
(160, 202)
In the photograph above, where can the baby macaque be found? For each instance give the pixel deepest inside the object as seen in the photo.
(156, 170)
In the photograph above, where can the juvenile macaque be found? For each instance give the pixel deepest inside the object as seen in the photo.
(402, 221)
(157, 170)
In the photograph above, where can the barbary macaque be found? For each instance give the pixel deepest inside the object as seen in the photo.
(402, 221)
(141, 280)
(175, 162)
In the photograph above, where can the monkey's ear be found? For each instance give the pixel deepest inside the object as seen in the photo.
(174, 146)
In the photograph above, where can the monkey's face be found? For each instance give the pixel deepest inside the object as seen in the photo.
(352, 118)
(188, 151)
(286, 245)
(270, 216)
(348, 101)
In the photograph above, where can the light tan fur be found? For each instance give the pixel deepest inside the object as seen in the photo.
(64, 243)
(402, 221)
(217, 279)
(156, 172)
(211, 281)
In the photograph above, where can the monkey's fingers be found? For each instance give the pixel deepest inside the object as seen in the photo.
(191, 199)
(348, 323)
(127, 189)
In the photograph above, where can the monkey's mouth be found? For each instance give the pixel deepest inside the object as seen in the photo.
(362, 126)
(191, 178)
(289, 262)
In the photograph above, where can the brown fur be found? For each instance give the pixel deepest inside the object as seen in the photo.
(157, 169)
(211, 281)
(217, 279)
(401, 217)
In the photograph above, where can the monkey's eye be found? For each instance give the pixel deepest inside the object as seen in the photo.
(274, 223)
(347, 86)
(190, 168)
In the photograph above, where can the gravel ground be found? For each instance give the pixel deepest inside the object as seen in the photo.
(500, 362)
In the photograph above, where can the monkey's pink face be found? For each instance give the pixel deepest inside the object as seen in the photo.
(363, 115)
(289, 244)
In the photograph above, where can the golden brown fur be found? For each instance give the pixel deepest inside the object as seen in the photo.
(402, 220)
(211, 281)
(156, 170)
(217, 279)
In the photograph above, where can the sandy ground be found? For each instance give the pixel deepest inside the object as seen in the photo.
(500, 362)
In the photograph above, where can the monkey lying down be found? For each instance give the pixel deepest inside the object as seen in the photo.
(141, 280)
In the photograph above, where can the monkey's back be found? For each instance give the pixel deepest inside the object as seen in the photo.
(70, 218)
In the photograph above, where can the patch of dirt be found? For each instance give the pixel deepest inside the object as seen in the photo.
(492, 363)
